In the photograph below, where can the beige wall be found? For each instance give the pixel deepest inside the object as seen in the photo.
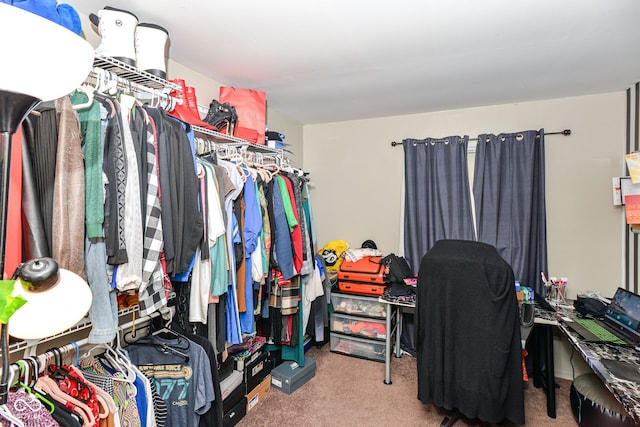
(358, 178)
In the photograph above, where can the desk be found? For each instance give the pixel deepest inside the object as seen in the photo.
(393, 335)
(626, 393)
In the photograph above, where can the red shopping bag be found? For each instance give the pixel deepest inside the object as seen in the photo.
(251, 106)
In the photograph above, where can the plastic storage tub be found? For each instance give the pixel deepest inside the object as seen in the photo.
(358, 326)
(358, 305)
(358, 347)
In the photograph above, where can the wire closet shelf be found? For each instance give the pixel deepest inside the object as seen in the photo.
(127, 77)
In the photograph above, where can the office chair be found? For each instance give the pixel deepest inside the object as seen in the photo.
(468, 334)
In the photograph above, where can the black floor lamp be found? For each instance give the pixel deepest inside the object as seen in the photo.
(42, 61)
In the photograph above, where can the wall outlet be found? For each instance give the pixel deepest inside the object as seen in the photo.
(617, 195)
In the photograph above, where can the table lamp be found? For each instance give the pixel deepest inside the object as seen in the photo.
(42, 61)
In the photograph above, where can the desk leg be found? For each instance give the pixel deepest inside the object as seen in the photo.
(398, 330)
(543, 365)
(387, 346)
(550, 377)
(537, 337)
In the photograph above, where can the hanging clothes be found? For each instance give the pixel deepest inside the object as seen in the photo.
(152, 294)
(232, 316)
(162, 147)
(128, 275)
(181, 370)
(114, 167)
(282, 256)
(42, 146)
(68, 192)
(252, 228)
(189, 219)
(104, 309)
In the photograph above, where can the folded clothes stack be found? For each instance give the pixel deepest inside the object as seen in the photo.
(275, 139)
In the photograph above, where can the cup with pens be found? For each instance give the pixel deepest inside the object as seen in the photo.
(555, 289)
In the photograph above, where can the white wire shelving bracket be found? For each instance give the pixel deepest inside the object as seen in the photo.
(133, 74)
(146, 80)
(83, 324)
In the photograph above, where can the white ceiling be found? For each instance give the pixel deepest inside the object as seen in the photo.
(334, 60)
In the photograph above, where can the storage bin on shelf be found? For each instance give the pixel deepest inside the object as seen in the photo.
(358, 347)
(358, 326)
(358, 305)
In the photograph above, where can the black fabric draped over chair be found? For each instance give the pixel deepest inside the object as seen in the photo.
(468, 333)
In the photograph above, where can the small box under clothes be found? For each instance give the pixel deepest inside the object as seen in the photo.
(258, 393)
(235, 414)
(289, 376)
(256, 369)
(233, 390)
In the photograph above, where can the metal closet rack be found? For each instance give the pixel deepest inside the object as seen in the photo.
(28, 345)
(128, 78)
(127, 74)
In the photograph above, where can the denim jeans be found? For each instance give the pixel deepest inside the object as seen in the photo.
(104, 308)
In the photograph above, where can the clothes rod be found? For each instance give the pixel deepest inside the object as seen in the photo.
(565, 132)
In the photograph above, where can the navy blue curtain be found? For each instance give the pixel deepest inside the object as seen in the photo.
(437, 194)
(509, 193)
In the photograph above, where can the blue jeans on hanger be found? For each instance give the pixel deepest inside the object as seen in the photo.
(104, 307)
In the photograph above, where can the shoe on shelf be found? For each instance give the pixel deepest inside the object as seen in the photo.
(187, 111)
(151, 48)
(117, 28)
(221, 115)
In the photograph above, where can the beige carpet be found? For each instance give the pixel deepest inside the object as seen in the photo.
(347, 391)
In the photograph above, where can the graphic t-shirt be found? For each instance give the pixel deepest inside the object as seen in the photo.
(181, 372)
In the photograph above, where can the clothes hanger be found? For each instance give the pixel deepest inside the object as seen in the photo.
(124, 358)
(107, 102)
(166, 333)
(100, 76)
(209, 151)
(115, 360)
(286, 167)
(155, 100)
(199, 145)
(104, 399)
(171, 102)
(272, 169)
(119, 364)
(24, 372)
(112, 83)
(35, 369)
(50, 387)
(7, 415)
(87, 90)
(222, 152)
(35, 373)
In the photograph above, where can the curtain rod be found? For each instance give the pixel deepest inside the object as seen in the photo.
(565, 132)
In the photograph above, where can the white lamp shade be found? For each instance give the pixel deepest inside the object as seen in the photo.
(53, 311)
(40, 58)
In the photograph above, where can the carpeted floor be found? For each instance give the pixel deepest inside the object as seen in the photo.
(347, 391)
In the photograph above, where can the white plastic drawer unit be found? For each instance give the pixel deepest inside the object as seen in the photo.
(358, 347)
(358, 305)
(359, 326)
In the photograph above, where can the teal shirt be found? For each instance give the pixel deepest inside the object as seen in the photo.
(90, 127)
